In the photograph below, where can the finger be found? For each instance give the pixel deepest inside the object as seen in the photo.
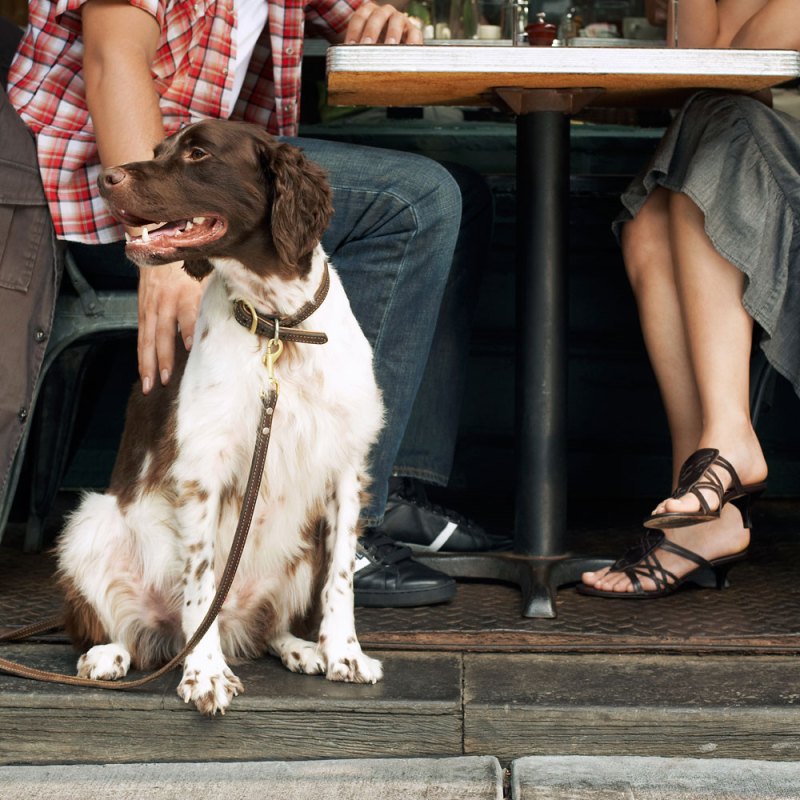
(375, 25)
(165, 330)
(413, 32)
(188, 310)
(358, 20)
(146, 347)
(397, 26)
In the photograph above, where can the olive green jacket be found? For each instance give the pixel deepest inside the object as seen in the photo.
(29, 280)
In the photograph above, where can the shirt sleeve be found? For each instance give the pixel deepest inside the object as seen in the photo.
(155, 8)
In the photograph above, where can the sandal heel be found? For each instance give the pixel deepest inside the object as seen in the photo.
(723, 566)
(721, 575)
(745, 505)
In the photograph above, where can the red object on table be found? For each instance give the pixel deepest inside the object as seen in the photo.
(541, 33)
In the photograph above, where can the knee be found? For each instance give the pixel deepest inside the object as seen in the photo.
(436, 189)
(637, 249)
(645, 251)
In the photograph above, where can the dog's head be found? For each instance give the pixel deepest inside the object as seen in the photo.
(221, 189)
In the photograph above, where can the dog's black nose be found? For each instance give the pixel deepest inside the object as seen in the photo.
(112, 176)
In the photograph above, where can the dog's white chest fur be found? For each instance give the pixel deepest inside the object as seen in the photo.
(328, 411)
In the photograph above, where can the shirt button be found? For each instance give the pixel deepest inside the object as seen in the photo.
(289, 50)
(22, 414)
(39, 335)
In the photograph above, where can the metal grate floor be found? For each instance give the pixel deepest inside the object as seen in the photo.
(757, 613)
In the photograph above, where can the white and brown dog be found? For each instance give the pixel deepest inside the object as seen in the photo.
(140, 564)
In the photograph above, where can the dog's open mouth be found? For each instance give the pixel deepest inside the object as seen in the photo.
(164, 238)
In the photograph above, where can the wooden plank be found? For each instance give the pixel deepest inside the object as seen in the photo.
(716, 706)
(416, 710)
(465, 75)
(37, 735)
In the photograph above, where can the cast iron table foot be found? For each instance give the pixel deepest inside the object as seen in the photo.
(537, 578)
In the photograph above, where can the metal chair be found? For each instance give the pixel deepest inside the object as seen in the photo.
(79, 319)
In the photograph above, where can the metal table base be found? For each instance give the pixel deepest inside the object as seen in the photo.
(539, 563)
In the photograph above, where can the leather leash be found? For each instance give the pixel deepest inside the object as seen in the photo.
(277, 329)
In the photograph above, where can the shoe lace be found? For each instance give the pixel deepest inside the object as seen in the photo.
(383, 548)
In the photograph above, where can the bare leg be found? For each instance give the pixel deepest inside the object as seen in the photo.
(677, 276)
(719, 331)
(647, 251)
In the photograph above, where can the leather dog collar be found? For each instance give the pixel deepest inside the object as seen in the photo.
(265, 325)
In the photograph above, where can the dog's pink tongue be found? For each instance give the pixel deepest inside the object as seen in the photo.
(170, 228)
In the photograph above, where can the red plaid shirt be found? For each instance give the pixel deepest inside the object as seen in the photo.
(192, 66)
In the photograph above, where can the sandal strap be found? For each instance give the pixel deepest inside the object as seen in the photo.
(642, 561)
(684, 552)
(698, 473)
(662, 578)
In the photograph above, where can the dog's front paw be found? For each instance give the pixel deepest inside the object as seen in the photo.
(354, 667)
(305, 658)
(104, 662)
(211, 689)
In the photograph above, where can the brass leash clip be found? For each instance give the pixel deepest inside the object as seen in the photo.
(274, 350)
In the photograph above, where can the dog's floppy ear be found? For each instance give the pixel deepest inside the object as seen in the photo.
(300, 203)
(198, 268)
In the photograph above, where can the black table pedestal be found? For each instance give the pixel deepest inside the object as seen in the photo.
(539, 563)
(537, 578)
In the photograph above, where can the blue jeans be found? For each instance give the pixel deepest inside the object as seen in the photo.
(397, 221)
(429, 441)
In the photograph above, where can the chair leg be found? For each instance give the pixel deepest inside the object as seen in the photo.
(51, 437)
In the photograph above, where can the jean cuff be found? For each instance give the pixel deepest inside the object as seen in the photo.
(424, 475)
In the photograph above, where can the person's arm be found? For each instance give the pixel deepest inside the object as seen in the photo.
(120, 43)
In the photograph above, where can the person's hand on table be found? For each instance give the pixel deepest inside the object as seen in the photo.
(372, 24)
(169, 300)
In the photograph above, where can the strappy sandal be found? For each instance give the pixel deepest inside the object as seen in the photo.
(642, 562)
(698, 474)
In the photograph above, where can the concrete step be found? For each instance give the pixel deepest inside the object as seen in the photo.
(465, 778)
(581, 778)
(365, 779)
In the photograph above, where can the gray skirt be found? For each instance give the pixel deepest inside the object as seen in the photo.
(739, 161)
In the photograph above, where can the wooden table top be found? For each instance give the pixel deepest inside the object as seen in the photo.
(467, 74)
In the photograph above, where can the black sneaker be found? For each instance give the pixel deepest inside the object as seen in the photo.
(412, 520)
(386, 576)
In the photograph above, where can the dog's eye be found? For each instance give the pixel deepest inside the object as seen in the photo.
(196, 154)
